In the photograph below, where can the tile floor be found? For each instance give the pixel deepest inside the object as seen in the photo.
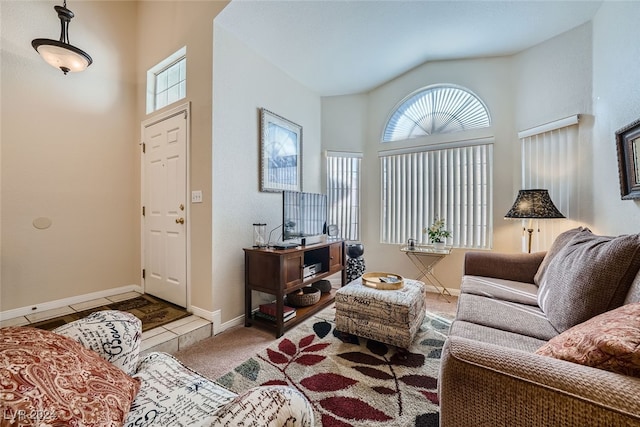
(169, 338)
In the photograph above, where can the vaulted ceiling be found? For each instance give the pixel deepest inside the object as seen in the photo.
(340, 47)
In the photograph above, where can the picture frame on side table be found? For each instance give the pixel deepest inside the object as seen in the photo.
(280, 153)
(628, 147)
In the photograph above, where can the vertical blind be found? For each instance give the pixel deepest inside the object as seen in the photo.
(550, 160)
(454, 184)
(343, 192)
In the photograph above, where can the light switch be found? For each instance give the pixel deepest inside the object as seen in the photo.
(196, 196)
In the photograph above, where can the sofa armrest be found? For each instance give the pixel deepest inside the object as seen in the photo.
(518, 267)
(484, 384)
(268, 406)
(114, 335)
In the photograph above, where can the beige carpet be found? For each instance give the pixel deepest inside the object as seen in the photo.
(219, 354)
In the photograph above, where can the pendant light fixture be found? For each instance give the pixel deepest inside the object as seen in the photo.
(61, 54)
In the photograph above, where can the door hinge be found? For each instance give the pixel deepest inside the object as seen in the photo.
(143, 211)
(143, 273)
(144, 147)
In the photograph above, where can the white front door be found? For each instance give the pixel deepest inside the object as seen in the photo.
(165, 206)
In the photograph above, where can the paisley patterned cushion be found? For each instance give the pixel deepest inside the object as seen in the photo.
(609, 341)
(49, 379)
(114, 335)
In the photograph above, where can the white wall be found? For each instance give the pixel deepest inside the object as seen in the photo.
(69, 153)
(554, 81)
(243, 83)
(616, 103)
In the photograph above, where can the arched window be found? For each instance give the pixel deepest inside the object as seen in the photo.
(437, 109)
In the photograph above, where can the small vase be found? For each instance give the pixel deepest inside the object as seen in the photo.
(438, 245)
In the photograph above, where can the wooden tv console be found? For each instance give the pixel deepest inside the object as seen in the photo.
(280, 272)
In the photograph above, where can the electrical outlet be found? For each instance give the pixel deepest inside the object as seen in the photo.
(196, 196)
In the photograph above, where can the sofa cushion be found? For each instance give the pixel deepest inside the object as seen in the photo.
(588, 276)
(634, 291)
(609, 341)
(558, 244)
(174, 395)
(506, 290)
(59, 382)
(494, 336)
(114, 335)
(506, 316)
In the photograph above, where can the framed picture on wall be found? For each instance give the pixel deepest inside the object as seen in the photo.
(628, 146)
(280, 153)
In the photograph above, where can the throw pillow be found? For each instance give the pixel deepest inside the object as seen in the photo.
(49, 379)
(588, 276)
(609, 341)
(559, 243)
(114, 335)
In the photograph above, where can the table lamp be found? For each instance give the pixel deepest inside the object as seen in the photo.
(533, 204)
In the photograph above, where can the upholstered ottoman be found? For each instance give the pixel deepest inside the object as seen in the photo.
(389, 316)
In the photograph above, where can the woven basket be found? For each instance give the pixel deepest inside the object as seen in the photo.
(304, 297)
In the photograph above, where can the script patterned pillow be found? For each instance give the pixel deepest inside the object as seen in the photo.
(51, 380)
(610, 341)
(114, 335)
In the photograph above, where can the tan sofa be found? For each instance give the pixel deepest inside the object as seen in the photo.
(490, 372)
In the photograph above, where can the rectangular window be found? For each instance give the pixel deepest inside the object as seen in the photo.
(453, 183)
(551, 158)
(343, 192)
(167, 81)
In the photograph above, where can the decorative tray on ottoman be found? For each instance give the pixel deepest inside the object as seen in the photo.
(387, 281)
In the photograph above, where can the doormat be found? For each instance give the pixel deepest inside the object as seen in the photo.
(153, 312)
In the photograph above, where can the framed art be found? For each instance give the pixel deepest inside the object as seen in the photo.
(628, 146)
(280, 153)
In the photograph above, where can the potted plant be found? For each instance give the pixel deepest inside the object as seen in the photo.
(437, 232)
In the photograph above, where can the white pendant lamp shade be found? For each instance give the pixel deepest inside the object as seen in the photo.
(60, 54)
(64, 57)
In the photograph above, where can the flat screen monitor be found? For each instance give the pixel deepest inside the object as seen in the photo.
(303, 214)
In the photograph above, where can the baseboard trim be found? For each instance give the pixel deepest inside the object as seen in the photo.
(215, 317)
(231, 323)
(454, 292)
(52, 305)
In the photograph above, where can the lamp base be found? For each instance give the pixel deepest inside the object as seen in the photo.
(530, 231)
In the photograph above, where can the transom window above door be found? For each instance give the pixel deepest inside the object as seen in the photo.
(167, 81)
(437, 109)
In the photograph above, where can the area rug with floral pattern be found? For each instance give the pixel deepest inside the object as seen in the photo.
(352, 381)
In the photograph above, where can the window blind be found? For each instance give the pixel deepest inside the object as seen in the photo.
(550, 160)
(453, 183)
(343, 192)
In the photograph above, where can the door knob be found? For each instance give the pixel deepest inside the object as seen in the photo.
(179, 220)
